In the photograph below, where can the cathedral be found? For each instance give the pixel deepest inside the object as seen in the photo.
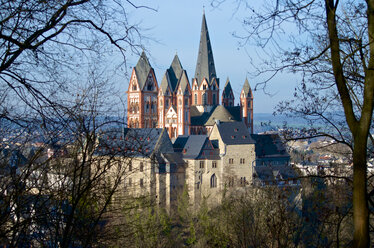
(181, 106)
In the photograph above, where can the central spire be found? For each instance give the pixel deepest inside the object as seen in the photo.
(205, 63)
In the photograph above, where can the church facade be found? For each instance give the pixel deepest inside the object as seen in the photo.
(182, 106)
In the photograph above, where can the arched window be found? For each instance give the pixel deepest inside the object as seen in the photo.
(161, 102)
(213, 181)
(141, 167)
(147, 107)
(204, 99)
(180, 102)
(195, 99)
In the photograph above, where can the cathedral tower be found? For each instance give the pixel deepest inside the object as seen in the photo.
(246, 105)
(142, 95)
(174, 99)
(205, 85)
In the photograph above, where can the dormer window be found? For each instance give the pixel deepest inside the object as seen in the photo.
(204, 87)
(134, 87)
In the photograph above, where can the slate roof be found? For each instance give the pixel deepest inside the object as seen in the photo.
(142, 70)
(270, 174)
(247, 88)
(227, 90)
(199, 118)
(193, 146)
(175, 72)
(205, 63)
(180, 142)
(269, 145)
(137, 142)
(183, 82)
(234, 133)
(220, 113)
(174, 77)
(165, 83)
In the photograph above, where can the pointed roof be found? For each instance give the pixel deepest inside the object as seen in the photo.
(247, 89)
(220, 113)
(175, 72)
(227, 89)
(165, 83)
(183, 82)
(142, 69)
(205, 63)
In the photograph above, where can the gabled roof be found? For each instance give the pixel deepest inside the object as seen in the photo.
(193, 146)
(175, 72)
(147, 141)
(270, 174)
(205, 63)
(142, 70)
(227, 90)
(220, 113)
(180, 142)
(199, 118)
(234, 133)
(269, 145)
(165, 83)
(183, 82)
(247, 89)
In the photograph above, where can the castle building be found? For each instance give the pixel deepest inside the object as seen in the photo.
(181, 106)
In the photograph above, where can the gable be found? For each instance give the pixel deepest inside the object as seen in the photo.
(133, 84)
(150, 83)
(171, 113)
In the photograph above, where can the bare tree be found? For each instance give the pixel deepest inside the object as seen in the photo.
(330, 44)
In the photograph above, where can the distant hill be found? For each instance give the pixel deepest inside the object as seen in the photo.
(267, 122)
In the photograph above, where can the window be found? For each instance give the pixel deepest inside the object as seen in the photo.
(141, 183)
(141, 167)
(130, 166)
(134, 86)
(147, 107)
(231, 182)
(195, 99)
(214, 99)
(243, 181)
(180, 102)
(242, 161)
(204, 87)
(205, 102)
(202, 164)
(231, 160)
(161, 102)
(213, 181)
(214, 164)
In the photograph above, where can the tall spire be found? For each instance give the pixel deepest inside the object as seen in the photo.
(205, 63)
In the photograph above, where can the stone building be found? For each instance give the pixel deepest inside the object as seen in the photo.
(181, 106)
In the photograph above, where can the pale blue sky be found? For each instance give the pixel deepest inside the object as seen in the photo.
(175, 27)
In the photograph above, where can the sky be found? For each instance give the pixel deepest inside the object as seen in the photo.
(175, 28)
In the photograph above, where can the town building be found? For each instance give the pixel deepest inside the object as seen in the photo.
(182, 106)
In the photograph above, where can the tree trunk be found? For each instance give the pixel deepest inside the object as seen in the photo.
(360, 205)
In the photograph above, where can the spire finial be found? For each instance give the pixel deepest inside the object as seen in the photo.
(203, 9)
